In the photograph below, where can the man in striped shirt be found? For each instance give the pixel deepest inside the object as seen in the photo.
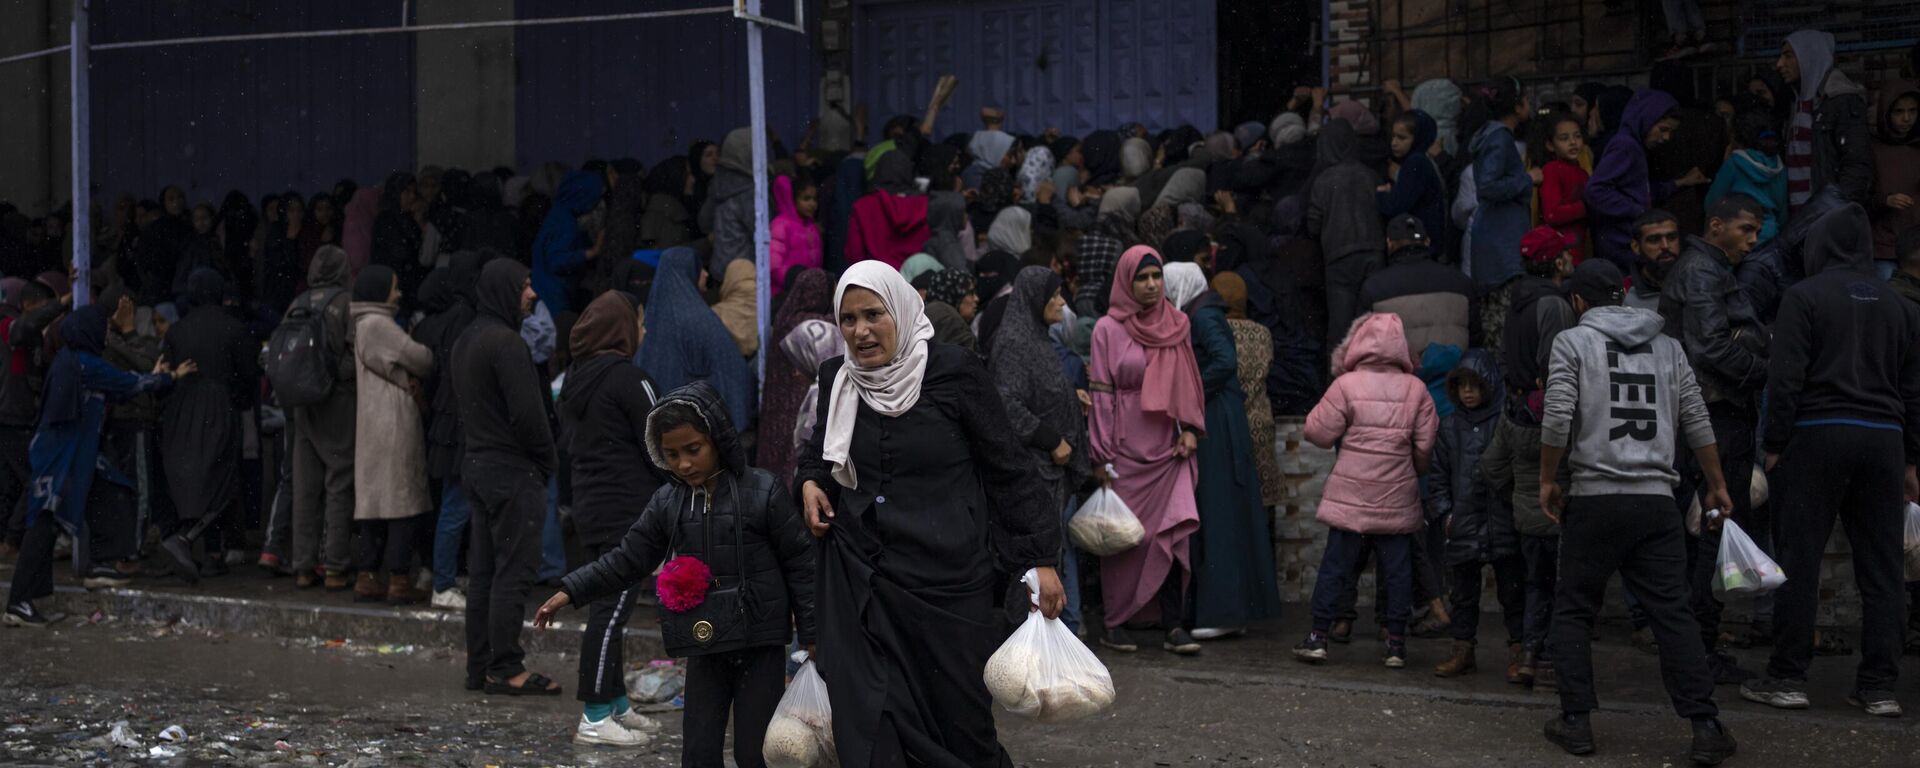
(1828, 141)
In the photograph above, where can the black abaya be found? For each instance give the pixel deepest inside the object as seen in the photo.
(200, 422)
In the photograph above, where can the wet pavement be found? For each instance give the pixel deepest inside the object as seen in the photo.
(256, 700)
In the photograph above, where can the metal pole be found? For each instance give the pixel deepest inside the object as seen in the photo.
(82, 159)
(1326, 45)
(763, 280)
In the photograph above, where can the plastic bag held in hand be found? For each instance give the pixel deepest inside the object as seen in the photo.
(1912, 543)
(1744, 569)
(1045, 673)
(801, 732)
(1104, 525)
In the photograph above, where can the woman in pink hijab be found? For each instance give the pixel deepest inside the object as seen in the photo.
(1147, 417)
(358, 238)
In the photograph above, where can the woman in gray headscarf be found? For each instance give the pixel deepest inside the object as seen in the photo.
(1012, 231)
(1440, 98)
(1186, 185)
(1136, 158)
(990, 150)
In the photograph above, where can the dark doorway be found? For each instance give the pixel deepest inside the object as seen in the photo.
(1263, 53)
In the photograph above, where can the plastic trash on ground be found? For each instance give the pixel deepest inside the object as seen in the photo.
(1744, 569)
(801, 733)
(1104, 525)
(1912, 543)
(1045, 673)
(659, 682)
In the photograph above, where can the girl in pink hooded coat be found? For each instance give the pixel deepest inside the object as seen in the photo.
(1384, 422)
(796, 239)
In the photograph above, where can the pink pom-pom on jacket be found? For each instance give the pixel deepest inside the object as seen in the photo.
(683, 583)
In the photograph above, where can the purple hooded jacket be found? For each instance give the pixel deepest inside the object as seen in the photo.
(1619, 190)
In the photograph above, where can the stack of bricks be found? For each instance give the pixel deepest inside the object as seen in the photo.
(1348, 28)
(1299, 540)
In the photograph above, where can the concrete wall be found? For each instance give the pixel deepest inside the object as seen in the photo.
(27, 147)
(464, 86)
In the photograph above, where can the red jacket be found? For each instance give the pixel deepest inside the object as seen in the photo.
(887, 227)
(1563, 203)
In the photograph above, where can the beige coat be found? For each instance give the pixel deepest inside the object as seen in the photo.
(738, 290)
(390, 451)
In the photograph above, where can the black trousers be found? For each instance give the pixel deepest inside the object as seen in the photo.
(1641, 538)
(1854, 474)
(16, 478)
(1542, 555)
(1423, 554)
(746, 684)
(603, 657)
(386, 545)
(1509, 587)
(509, 514)
(1733, 428)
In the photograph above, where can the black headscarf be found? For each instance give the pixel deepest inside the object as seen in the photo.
(374, 284)
(1101, 155)
(83, 331)
(994, 271)
(936, 164)
(893, 174)
(501, 282)
(436, 292)
(205, 288)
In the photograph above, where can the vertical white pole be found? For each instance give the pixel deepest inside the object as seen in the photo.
(82, 156)
(757, 93)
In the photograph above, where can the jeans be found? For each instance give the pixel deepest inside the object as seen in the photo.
(1344, 548)
(500, 566)
(1733, 432)
(1427, 584)
(454, 511)
(1509, 576)
(1640, 538)
(553, 544)
(1855, 475)
(1542, 554)
(1070, 571)
(747, 684)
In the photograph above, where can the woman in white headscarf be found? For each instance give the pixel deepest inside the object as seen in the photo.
(916, 486)
(1037, 170)
(1012, 231)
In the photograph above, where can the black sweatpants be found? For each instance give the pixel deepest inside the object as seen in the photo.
(1641, 538)
(16, 478)
(1854, 474)
(603, 658)
(509, 515)
(1509, 586)
(1733, 428)
(1542, 555)
(109, 539)
(747, 684)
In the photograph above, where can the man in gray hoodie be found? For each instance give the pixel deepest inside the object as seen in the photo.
(1618, 395)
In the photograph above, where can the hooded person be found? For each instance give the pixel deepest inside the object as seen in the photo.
(1037, 169)
(1478, 529)
(810, 343)
(1371, 147)
(438, 332)
(487, 224)
(1343, 217)
(1503, 189)
(1185, 185)
(390, 452)
(1620, 188)
(952, 304)
(1253, 350)
(989, 149)
(1418, 188)
(667, 221)
(1136, 159)
(1440, 98)
(810, 297)
(727, 214)
(687, 342)
(561, 248)
(796, 240)
(886, 578)
(66, 462)
(1103, 155)
(1148, 410)
(1829, 135)
(398, 236)
(949, 234)
(508, 458)
(1842, 433)
(323, 435)
(1896, 180)
(889, 224)
(200, 420)
(357, 238)
(1012, 231)
(920, 264)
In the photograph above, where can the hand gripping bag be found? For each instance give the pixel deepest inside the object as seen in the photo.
(1912, 543)
(1045, 673)
(1105, 525)
(801, 732)
(1744, 569)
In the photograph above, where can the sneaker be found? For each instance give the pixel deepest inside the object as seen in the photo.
(1712, 742)
(607, 733)
(1217, 633)
(1181, 642)
(452, 600)
(105, 577)
(1779, 694)
(25, 615)
(1312, 650)
(271, 565)
(632, 720)
(1573, 733)
(179, 555)
(1395, 656)
(1876, 703)
(1116, 639)
(236, 557)
(1727, 671)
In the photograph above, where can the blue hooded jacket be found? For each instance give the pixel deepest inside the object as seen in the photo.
(1419, 189)
(561, 247)
(1620, 190)
(1759, 176)
(1505, 192)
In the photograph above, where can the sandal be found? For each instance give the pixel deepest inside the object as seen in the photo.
(536, 685)
(1829, 644)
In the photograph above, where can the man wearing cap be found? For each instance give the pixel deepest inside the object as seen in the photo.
(1619, 394)
(1710, 315)
(1537, 312)
(1435, 302)
(1656, 248)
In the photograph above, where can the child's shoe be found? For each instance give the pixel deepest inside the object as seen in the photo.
(1396, 653)
(1312, 650)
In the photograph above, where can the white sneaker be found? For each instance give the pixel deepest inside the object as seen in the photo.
(1215, 633)
(452, 600)
(607, 733)
(632, 720)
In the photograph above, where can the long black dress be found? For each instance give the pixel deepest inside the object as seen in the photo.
(948, 511)
(200, 423)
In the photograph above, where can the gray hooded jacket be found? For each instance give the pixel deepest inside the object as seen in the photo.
(1618, 392)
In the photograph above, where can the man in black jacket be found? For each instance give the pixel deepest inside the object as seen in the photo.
(1842, 439)
(1828, 139)
(1436, 303)
(509, 457)
(1707, 311)
(1656, 248)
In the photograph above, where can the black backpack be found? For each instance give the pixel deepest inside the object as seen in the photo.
(298, 361)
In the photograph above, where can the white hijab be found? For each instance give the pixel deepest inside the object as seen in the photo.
(1185, 282)
(890, 389)
(1012, 231)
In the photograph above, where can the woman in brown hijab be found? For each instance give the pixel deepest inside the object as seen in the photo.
(1253, 344)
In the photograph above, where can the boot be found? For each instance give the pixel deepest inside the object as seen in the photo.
(1544, 680)
(1460, 663)
(368, 588)
(337, 581)
(1525, 672)
(1515, 657)
(401, 591)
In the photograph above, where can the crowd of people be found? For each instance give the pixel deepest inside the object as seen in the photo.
(1503, 309)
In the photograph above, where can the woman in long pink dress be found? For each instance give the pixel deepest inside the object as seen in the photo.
(1148, 415)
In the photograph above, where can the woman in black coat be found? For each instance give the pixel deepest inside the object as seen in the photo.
(927, 505)
(396, 236)
(200, 422)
